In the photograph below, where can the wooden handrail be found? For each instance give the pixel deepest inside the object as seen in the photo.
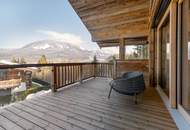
(46, 65)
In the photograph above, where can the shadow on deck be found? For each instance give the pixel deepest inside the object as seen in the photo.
(86, 107)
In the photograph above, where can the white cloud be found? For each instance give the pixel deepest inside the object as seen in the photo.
(65, 37)
(110, 50)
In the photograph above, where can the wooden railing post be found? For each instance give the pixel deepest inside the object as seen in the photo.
(54, 85)
(95, 69)
(114, 68)
(81, 74)
(94, 65)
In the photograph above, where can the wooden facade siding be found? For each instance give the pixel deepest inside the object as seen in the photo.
(86, 107)
(134, 65)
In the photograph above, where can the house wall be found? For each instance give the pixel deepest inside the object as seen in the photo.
(9, 74)
(134, 65)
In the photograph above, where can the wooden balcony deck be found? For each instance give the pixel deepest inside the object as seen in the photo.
(86, 107)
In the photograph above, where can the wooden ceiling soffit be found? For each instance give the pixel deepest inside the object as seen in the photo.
(116, 10)
(136, 16)
(113, 19)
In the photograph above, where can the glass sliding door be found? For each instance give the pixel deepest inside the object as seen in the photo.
(185, 88)
(185, 56)
(165, 52)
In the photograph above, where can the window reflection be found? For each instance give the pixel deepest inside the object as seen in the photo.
(165, 56)
(136, 52)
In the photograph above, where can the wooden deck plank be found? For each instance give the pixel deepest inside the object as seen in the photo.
(114, 112)
(57, 117)
(20, 121)
(35, 120)
(118, 113)
(8, 125)
(112, 105)
(106, 118)
(46, 117)
(82, 115)
(85, 107)
(1, 128)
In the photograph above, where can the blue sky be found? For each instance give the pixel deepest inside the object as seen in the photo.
(25, 21)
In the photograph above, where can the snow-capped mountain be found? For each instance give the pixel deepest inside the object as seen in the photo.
(48, 45)
(55, 51)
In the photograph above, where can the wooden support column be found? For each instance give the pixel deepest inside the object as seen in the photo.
(152, 56)
(95, 67)
(173, 48)
(122, 49)
(114, 68)
(158, 57)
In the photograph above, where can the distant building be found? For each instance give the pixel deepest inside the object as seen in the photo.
(11, 78)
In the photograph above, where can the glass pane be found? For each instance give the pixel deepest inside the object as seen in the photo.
(136, 52)
(111, 52)
(165, 54)
(186, 55)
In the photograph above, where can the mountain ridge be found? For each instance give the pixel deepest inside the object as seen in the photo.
(54, 50)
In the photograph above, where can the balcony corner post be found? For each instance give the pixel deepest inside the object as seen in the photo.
(122, 49)
(81, 74)
(94, 65)
(54, 84)
(114, 68)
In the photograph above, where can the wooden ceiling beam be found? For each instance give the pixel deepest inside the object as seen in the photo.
(128, 41)
(107, 44)
(99, 38)
(137, 31)
(114, 19)
(141, 20)
(136, 41)
(127, 26)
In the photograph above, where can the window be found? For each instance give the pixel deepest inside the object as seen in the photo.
(133, 52)
(111, 52)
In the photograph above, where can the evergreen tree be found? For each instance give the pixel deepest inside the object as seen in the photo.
(22, 60)
(94, 59)
(13, 60)
(42, 60)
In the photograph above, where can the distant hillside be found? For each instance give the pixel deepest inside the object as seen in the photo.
(55, 51)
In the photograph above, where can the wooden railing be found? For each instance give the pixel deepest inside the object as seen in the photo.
(64, 74)
(105, 70)
(68, 74)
